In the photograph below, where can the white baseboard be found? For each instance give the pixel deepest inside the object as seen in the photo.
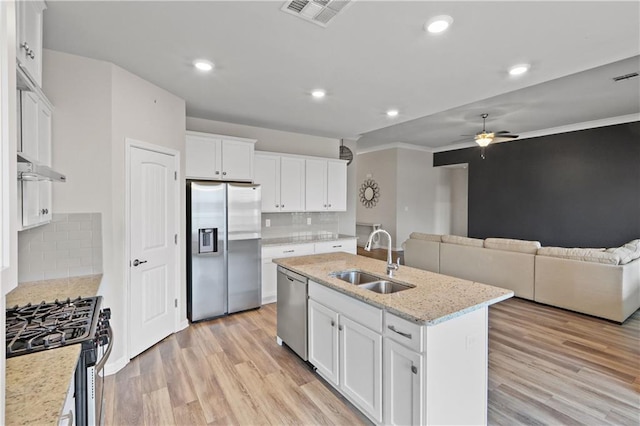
(114, 366)
(269, 299)
(183, 324)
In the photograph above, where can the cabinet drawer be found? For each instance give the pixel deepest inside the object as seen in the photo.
(289, 250)
(405, 332)
(348, 246)
(365, 314)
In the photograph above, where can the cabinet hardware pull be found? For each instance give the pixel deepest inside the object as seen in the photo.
(340, 327)
(288, 251)
(337, 246)
(333, 324)
(290, 279)
(282, 206)
(224, 173)
(392, 328)
(329, 205)
(217, 172)
(277, 205)
(414, 369)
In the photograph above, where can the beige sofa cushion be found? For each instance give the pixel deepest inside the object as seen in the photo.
(427, 237)
(521, 246)
(583, 254)
(423, 254)
(463, 241)
(628, 252)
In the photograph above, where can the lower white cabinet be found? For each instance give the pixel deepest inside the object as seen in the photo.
(346, 353)
(323, 340)
(403, 385)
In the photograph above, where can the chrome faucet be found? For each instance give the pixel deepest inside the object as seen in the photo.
(390, 265)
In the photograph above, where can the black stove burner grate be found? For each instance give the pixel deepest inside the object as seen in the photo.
(33, 328)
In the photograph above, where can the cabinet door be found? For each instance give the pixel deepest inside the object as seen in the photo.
(237, 160)
(292, 187)
(29, 108)
(323, 340)
(403, 385)
(30, 202)
(316, 185)
(203, 157)
(44, 134)
(361, 366)
(29, 38)
(336, 186)
(44, 201)
(267, 174)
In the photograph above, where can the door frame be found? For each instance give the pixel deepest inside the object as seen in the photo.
(129, 145)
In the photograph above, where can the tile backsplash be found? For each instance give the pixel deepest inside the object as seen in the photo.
(71, 245)
(295, 225)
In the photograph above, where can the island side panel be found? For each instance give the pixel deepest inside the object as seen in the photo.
(456, 376)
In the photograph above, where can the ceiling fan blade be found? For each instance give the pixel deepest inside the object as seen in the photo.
(504, 138)
(501, 132)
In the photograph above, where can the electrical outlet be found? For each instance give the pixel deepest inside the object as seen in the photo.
(267, 223)
(308, 221)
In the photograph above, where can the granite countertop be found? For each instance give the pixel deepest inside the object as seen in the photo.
(36, 384)
(434, 299)
(305, 239)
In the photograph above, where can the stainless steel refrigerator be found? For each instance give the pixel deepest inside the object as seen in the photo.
(223, 251)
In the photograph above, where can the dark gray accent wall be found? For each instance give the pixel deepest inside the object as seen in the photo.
(575, 189)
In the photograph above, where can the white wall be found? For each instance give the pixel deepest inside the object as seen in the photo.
(98, 105)
(380, 166)
(269, 139)
(414, 196)
(422, 195)
(348, 218)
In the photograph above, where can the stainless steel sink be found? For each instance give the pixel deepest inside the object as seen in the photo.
(370, 282)
(355, 277)
(385, 287)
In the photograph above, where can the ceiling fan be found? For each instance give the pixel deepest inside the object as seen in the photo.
(484, 138)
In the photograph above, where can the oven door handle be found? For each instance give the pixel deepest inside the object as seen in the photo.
(103, 360)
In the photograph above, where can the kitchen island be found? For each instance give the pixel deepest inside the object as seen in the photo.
(417, 356)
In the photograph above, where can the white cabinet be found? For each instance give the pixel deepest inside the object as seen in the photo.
(345, 346)
(35, 144)
(403, 385)
(323, 340)
(282, 181)
(361, 366)
(29, 37)
(326, 185)
(349, 246)
(270, 269)
(218, 157)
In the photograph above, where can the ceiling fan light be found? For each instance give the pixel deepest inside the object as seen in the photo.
(483, 139)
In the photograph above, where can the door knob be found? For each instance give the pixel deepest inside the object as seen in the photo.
(138, 262)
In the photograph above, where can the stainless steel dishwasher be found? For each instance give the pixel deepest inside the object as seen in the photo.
(292, 311)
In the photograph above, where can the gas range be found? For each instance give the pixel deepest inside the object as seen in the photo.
(32, 328)
(49, 325)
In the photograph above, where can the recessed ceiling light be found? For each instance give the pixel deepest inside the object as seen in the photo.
(318, 93)
(519, 69)
(392, 113)
(203, 64)
(438, 24)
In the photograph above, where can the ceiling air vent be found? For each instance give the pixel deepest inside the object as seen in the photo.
(625, 77)
(320, 12)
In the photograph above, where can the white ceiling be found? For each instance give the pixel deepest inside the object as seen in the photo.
(372, 57)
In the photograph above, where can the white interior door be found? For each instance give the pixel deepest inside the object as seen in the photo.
(152, 248)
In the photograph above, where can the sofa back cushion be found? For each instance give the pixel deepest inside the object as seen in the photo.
(427, 237)
(521, 246)
(628, 252)
(583, 254)
(463, 241)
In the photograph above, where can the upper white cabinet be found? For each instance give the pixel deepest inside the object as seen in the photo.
(35, 144)
(29, 38)
(326, 185)
(219, 157)
(282, 181)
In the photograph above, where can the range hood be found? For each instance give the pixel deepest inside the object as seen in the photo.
(32, 170)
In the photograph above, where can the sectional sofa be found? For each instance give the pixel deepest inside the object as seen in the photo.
(600, 282)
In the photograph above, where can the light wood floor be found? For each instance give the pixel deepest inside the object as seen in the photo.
(546, 366)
